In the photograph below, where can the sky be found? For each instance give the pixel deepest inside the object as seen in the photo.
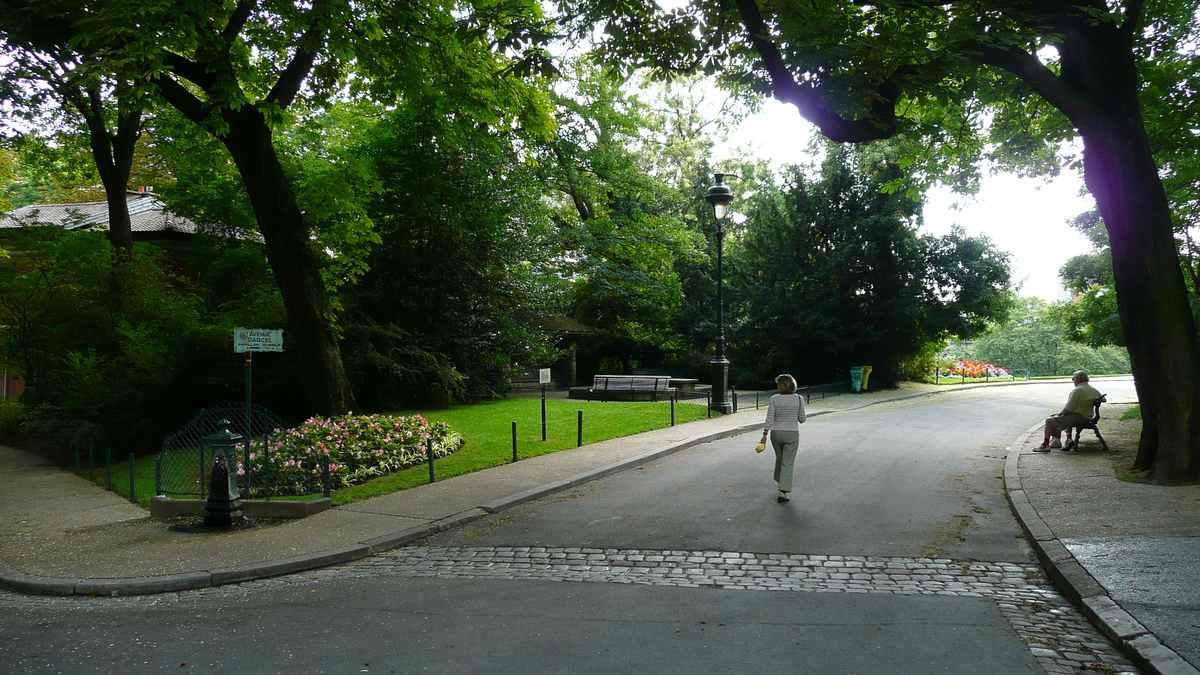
(1025, 217)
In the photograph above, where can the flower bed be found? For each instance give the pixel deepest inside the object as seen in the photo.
(973, 369)
(359, 448)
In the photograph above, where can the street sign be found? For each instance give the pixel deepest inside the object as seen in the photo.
(257, 340)
(544, 376)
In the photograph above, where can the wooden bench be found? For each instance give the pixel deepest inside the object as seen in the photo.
(1078, 428)
(630, 387)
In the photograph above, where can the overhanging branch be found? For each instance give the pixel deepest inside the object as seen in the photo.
(292, 77)
(807, 96)
(1029, 68)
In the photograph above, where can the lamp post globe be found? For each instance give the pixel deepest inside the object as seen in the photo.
(719, 195)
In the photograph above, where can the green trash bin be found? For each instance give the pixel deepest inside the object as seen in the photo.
(856, 378)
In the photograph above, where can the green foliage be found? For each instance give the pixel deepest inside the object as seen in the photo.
(917, 368)
(100, 344)
(831, 273)
(1036, 338)
(123, 353)
(624, 170)
(12, 415)
(392, 370)
(55, 170)
(463, 269)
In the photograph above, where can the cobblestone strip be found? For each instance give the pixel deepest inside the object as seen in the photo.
(1063, 641)
(1057, 634)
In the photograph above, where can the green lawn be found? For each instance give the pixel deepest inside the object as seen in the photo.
(487, 428)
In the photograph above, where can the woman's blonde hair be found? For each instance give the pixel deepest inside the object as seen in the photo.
(786, 383)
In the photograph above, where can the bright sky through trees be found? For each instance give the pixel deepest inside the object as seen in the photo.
(1026, 217)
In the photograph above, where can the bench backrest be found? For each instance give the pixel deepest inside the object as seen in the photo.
(1096, 407)
(631, 383)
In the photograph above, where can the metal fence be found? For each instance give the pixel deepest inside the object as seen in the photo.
(586, 394)
(184, 464)
(1014, 374)
(741, 399)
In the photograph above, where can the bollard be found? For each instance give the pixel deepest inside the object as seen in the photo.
(429, 458)
(108, 484)
(708, 396)
(672, 412)
(579, 430)
(325, 487)
(132, 478)
(514, 440)
(543, 413)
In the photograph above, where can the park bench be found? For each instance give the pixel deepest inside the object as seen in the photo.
(1073, 439)
(630, 387)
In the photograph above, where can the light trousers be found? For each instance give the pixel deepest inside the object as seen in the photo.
(785, 444)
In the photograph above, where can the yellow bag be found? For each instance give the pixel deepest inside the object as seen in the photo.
(762, 445)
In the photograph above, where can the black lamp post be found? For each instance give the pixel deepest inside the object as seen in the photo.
(719, 195)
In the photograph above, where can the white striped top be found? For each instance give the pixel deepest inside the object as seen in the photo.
(785, 412)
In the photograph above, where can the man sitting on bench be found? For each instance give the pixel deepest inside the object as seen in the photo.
(1079, 409)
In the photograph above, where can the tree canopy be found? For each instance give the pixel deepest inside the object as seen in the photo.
(833, 266)
(1010, 80)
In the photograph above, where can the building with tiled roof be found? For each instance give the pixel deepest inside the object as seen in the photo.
(149, 218)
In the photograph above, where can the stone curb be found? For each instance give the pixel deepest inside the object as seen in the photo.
(20, 582)
(1080, 587)
(23, 583)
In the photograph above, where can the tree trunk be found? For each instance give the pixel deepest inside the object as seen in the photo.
(113, 156)
(1098, 69)
(295, 264)
(1152, 297)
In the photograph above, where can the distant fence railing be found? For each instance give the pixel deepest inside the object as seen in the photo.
(1013, 375)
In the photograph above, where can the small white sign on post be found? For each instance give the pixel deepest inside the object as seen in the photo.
(257, 340)
(544, 376)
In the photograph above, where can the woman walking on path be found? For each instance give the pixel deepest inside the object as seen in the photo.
(785, 414)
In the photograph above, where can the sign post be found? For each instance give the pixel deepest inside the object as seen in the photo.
(247, 341)
(543, 379)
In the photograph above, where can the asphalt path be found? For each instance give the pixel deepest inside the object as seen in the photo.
(909, 478)
(918, 478)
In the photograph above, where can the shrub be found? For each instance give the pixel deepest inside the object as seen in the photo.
(11, 416)
(359, 448)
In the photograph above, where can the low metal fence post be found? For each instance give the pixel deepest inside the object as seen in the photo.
(579, 430)
(429, 458)
(325, 479)
(514, 440)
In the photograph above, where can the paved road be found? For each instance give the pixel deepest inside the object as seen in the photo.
(914, 478)
(898, 554)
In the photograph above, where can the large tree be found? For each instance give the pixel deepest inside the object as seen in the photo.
(830, 272)
(1020, 74)
(49, 73)
(241, 69)
(620, 169)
